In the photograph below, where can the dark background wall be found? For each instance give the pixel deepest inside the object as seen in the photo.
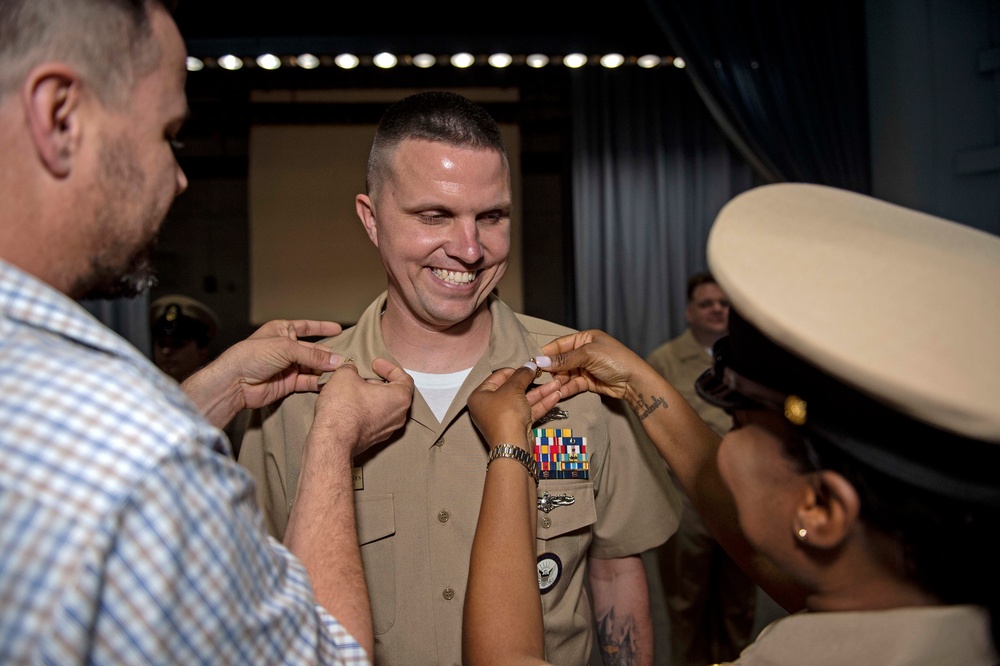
(934, 75)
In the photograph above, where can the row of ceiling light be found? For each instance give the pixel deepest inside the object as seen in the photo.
(269, 61)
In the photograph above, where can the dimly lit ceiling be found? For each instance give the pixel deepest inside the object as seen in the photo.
(225, 103)
(289, 27)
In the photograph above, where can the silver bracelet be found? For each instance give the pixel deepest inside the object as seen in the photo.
(516, 453)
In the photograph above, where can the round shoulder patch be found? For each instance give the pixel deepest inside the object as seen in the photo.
(549, 571)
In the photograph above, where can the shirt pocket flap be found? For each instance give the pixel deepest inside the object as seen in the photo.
(568, 517)
(375, 517)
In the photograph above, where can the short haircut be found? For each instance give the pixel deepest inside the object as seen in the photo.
(443, 117)
(107, 40)
(696, 281)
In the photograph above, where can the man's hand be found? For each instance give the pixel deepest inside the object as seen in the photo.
(265, 367)
(362, 411)
(502, 410)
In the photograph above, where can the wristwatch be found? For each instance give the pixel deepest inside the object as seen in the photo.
(518, 454)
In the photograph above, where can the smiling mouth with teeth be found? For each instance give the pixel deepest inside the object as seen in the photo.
(455, 277)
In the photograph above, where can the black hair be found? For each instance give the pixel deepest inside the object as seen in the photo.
(942, 543)
(696, 281)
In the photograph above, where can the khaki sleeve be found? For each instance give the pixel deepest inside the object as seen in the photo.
(638, 506)
(272, 453)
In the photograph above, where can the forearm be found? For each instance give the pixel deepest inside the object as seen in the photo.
(216, 398)
(690, 447)
(502, 622)
(621, 609)
(322, 533)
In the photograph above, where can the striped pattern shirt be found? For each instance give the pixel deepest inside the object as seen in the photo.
(127, 534)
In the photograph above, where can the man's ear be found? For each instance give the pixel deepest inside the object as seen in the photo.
(366, 212)
(51, 98)
(828, 510)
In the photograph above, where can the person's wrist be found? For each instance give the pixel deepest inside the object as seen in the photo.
(516, 453)
(518, 437)
(332, 445)
(214, 393)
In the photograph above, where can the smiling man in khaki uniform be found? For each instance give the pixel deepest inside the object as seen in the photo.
(438, 210)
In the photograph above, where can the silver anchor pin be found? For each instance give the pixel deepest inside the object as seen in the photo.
(548, 502)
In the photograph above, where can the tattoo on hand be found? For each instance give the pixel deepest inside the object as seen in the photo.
(615, 637)
(643, 409)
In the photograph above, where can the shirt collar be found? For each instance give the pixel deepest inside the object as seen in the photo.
(510, 345)
(688, 347)
(916, 635)
(30, 302)
(25, 299)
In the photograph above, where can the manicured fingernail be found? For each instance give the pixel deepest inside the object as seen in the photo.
(335, 359)
(543, 361)
(531, 366)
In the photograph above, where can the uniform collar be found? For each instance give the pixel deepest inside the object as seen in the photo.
(688, 347)
(927, 635)
(510, 345)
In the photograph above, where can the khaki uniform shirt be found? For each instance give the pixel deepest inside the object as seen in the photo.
(929, 635)
(418, 494)
(682, 361)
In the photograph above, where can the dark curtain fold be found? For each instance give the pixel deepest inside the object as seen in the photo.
(650, 172)
(785, 80)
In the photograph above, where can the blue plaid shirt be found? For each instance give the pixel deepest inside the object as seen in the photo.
(127, 534)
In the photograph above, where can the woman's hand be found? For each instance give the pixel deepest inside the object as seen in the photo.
(503, 409)
(591, 361)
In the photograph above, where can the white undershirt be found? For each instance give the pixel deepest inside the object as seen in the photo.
(439, 390)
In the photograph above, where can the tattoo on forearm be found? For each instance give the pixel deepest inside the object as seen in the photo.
(618, 647)
(643, 409)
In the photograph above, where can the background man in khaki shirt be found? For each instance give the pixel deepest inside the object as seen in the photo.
(438, 209)
(709, 599)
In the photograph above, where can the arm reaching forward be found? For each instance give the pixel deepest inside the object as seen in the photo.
(502, 622)
(351, 414)
(265, 367)
(594, 361)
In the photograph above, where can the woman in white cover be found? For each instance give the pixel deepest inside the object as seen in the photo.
(859, 482)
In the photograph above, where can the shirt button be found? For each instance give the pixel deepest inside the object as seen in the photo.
(545, 522)
(440, 442)
(448, 594)
(443, 516)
